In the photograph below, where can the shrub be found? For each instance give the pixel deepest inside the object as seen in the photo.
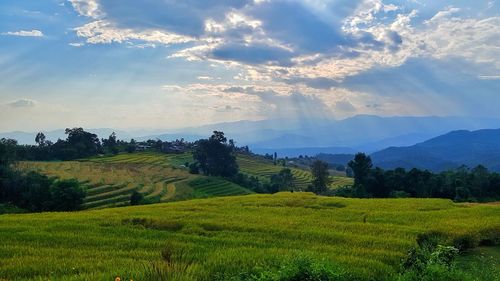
(301, 268)
(434, 272)
(430, 261)
(444, 255)
(428, 241)
(465, 242)
(66, 195)
(194, 168)
(136, 198)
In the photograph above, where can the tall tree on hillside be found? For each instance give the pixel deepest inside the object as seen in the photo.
(282, 181)
(78, 144)
(7, 151)
(215, 156)
(110, 144)
(40, 139)
(361, 166)
(321, 177)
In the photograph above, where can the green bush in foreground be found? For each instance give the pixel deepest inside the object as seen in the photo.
(302, 268)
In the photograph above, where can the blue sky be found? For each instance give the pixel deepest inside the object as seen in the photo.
(167, 64)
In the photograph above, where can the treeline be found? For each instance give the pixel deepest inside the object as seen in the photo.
(32, 191)
(463, 184)
(78, 144)
(82, 144)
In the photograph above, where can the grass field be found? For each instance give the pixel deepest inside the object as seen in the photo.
(198, 239)
(109, 181)
(264, 169)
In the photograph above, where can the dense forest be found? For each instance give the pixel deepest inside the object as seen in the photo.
(463, 184)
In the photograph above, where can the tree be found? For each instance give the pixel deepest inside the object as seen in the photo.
(131, 147)
(66, 195)
(7, 151)
(110, 144)
(360, 166)
(79, 144)
(321, 177)
(40, 139)
(215, 156)
(136, 198)
(194, 168)
(282, 181)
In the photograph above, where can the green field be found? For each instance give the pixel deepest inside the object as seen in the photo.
(109, 181)
(202, 238)
(264, 168)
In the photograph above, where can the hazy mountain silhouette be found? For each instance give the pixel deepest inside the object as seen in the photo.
(448, 151)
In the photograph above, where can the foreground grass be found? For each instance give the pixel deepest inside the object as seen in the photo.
(199, 239)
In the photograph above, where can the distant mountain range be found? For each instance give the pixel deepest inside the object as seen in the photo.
(366, 133)
(446, 152)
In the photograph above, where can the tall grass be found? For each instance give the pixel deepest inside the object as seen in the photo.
(200, 239)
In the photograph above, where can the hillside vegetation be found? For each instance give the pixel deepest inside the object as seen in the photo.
(110, 181)
(264, 168)
(160, 177)
(217, 238)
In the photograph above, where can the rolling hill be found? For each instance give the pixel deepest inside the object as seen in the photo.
(110, 181)
(452, 150)
(222, 238)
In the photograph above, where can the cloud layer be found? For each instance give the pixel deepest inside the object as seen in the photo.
(177, 63)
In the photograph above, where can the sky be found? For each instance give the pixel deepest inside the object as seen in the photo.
(160, 64)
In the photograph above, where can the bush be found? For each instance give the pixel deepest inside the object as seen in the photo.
(434, 272)
(66, 195)
(301, 268)
(465, 242)
(194, 168)
(430, 260)
(136, 198)
(444, 255)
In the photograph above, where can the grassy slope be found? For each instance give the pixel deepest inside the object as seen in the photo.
(264, 168)
(228, 234)
(111, 180)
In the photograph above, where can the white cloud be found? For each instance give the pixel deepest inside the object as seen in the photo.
(103, 32)
(22, 103)
(25, 33)
(76, 44)
(489, 77)
(87, 8)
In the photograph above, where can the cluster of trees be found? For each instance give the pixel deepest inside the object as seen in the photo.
(282, 181)
(216, 156)
(32, 191)
(462, 184)
(78, 144)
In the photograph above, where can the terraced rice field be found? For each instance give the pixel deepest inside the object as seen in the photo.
(110, 181)
(264, 169)
(202, 239)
